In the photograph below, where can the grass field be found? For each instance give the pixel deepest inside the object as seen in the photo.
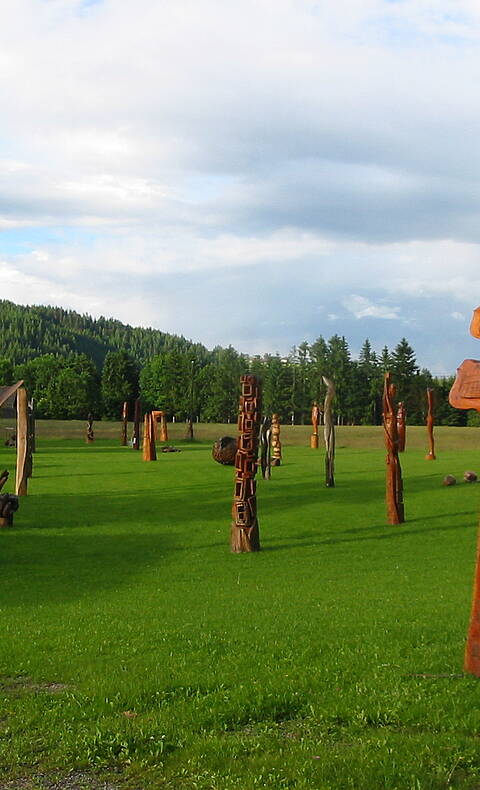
(136, 651)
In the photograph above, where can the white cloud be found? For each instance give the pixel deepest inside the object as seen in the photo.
(361, 307)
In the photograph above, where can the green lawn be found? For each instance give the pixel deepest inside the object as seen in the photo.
(137, 650)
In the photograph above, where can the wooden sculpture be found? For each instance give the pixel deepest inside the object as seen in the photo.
(401, 426)
(394, 484)
(266, 447)
(149, 449)
(124, 433)
(189, 430)
(276, 443)
(22, 443)
(430, 423)
(244, 534)
(465, 394)
(90, 437)
(329, 434)
(224, 450)
(315, 421)
(160, 416)
(136, 425)
(8, 506)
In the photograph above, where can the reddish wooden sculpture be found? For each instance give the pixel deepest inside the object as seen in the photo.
(224, 451)
(244, 534)
(124, 434)
(276, 443)
(465, 394)
(394, 484)
(401, 426)
(315, 421)
(160, 416)
(149, 450)
(430, 423)
(329, 434)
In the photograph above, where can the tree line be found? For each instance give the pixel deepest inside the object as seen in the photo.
(204, 384)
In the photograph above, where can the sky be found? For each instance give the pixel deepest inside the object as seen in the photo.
(254, 173)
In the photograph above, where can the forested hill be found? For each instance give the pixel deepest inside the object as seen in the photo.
(29, 332)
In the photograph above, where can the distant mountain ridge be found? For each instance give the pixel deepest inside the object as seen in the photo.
(27, 332)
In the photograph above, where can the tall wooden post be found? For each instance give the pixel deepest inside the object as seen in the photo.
(315, 420)
(394, 483)
(265, 447)
(149, 449)
(124, 433)
(329, 434)
(136, 425)
(430, 423)
(90, 436)
(22, 442)
(163, 427)
(401, 426)
(244, 535)
(189, 430)
(276, 443)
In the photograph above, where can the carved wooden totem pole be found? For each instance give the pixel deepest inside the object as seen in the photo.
(149, 449)
(136, 425)
(394, 484)
(465, 394)
(90, 436)
(430, 423)
(244, 534)
(276, 443)
(23, 450)
(401, 426)
(124, 433)
(329, 434)
(315, 421)
(189, 430)
(265, 447)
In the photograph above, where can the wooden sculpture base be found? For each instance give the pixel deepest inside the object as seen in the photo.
(6, 522)
(430, 457)
(472, 648)
(245, 539)
(275, 462)
(314, 441)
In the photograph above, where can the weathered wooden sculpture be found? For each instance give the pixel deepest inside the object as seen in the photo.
(276, 443)
(136, 425)
(401, 426)
(31, 426)
(266, 447)
(149, 449)
(465, 394)
(4, 477)
(329, 434)
(430, 423)
(8, 506)
(90, 437)
(124, 433)
(22, 443)
(394, 483)
(224, 450)
(315, 421)
(244, 535)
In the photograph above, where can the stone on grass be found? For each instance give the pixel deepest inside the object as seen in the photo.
(470, 477)
(449, 480)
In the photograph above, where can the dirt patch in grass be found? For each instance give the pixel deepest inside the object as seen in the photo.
(20, 685)
(75, 780)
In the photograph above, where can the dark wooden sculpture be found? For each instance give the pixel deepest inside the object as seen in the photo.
(90, 437)
(4, 477)
(189, 430)
(329, 434)
(266, 447)
(244, 535)
(315, 421)
(224, 450)
(149, 449)
(8, 506)
(465, 394)
(401, 426)
(136, 425)
(430, 423)
(276, 443)
(22, 443)
(394, 483)
(124, 433)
